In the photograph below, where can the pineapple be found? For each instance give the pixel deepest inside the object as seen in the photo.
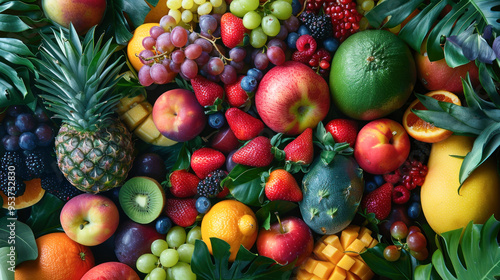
(93, 148)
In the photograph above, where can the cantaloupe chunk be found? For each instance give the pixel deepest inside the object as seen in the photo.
(323, 269)
(333, 240)
(347, 236)
(304, 275)
(366, 238)
(346, 262)
(309, 265)
(356, 247)
(318, 251)
(338, 274)
(332, 253)
(359, 267)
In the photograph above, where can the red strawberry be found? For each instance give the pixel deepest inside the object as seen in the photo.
(243, 125)
(301, 149)
(223, 193)
(206, 91)
(183, 183)
(206, 160)
(256, 153)
(182, 211)
(281, 185)
(232, 30)
(378, 201)
(343, 130)
(235, 95)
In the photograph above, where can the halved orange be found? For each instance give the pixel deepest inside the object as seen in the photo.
(422, 130)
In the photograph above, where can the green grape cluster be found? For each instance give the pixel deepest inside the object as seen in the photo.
(170, 258)
(187, 11)
(262, 19)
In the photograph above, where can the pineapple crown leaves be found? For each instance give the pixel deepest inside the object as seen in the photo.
(327, 144)
(77, 82)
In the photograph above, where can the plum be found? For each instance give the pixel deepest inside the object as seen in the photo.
(149, 165)
(224, 140)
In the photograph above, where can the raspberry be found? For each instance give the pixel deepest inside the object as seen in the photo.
(400, 194)
(393, 178)
(345, 18)
(301, 57)
(306, 44)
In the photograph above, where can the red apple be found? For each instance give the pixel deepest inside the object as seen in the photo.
(286, 241)
(292, 97)
(82, 13)
(178, 115)
(89, 219)
(381, 146)
(111, 271)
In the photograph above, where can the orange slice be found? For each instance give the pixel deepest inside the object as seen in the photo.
(422, 130)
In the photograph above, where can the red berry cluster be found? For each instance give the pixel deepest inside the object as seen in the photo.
(314, 5)
(308, 53)
(406, 178)
(345, 17)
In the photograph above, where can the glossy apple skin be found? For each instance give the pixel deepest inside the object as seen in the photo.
(292, 97)
(381, 146)
(111, 271)
(82, 13)
(98, 215)
(296, 241)
(178, 115)
(132, 240)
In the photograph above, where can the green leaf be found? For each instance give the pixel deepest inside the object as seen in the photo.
(19, 235)
(265, 215)
(45, 214)
(473, 253)
(244, 183)
(486, 74)
(6, 267)
(402, 269)
(246, 265)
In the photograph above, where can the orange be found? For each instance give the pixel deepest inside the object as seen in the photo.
(157, 12)
(422, 130)
(134, 46)
(30, 197)
(59, 258)
(231, 221)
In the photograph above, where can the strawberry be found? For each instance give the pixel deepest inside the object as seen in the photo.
(232, 30)
(206, 91)
(343, 130)
(223, 193)
(243, 125)
(182, 211)
(256, 153)
(301, 149)
(235, 95)
(281, 185)
(378, 201)
(183, 183)
(206, 160)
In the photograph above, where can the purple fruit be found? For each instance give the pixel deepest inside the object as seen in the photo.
(10, 142)
(45, 134)
(27, 141)
(25, 122)
(41, 115)
(149, 165)
(15, 110)
(11, 128)
(224, 140)
(398, 213)
(230, 164)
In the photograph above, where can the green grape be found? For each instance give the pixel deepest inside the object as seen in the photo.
(252, 20)
(176, 14)
(258, 38)
(158, 246)
(237, 9)
(270, 25)
(182, 271)
(176, 236)
(169, 257)
(158, 274)
(221, 9)
(146, 262)
(288, 1)
(185, 252)
(174, 4)
(194, 9)
(193, 234)
(249, 5)
(199, 2)
(204, 9)
(187, 16)
(216, 3)
(147, 277)
(187, 4)
(281, 9)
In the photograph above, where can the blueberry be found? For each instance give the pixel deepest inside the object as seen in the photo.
(370, 186)
(296, 7)
(415, 196)
(331, 44)
(414, 210)
(249, 83)
(10, 142)
(25, 122)
(379, 180)
(27, 141)
(163, 224)
(216, 120)
(291, 40)
(256, 73)
(303, 30)
(203, 204)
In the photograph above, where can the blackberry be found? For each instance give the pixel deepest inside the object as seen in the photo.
(210, 185)
(14, 161)
(35, 163)
(62, 189)
(319, 25)
(5, 184)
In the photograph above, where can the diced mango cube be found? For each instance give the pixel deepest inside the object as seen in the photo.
(368, 275)
(347, 236)
(304, 275)
(373, 243)
(309, 265)
(147, 131)
(318, 251)
(366, 238)
(356, 247)
(346, 262)
(127, 103)
(337, 274)
(323, 269)
(359, 267)
(333, 240)
(314, 277)
(364, 230)
(163, 141)
(135, 116)
(332, 254)
(351, 276)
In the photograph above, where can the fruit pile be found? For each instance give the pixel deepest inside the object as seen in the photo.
(246, 139)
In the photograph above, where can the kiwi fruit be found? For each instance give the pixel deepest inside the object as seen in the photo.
(142, 199)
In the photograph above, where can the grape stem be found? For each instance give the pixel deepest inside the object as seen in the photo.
(223, 58)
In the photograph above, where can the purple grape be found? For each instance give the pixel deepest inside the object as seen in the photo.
(237, 54)
(178, 56)
(238, 66)
(276, 55)
(25, 122)
(213, 78)
(159, 74)
(203, 58)
(261, 61)
(150, 165)
(230, 164)
(229, 75)
(11, 128)
(292, 24)
(215, 66)
(205, 44)
(193, 36)
(156, 31)
(193, 51)
(208, 24)
(145, 76)
(45, 134)
(175, 67)
(10, 142)
(283, 33)
(277, 43)
(148, 43)
(189, 68)
(27, 141)
(164, 43)
(217, 32)
(41, 115)
(3, 130)
(15, 110)
(179, 36)
(144, 55)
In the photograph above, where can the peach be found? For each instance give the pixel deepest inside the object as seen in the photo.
(82, 13)
(111, 271)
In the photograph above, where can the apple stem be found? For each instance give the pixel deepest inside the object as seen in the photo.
(282, 230)
(83, 225)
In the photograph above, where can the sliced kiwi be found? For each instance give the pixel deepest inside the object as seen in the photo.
(142, 199)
